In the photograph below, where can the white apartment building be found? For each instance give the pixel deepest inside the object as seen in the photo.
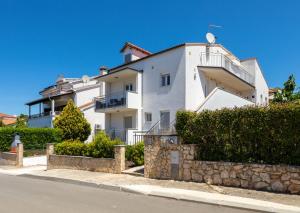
(54, 98)
(148, 89)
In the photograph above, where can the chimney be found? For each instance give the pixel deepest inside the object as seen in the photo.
(103, 70)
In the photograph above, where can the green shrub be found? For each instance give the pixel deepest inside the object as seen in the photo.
(73, 124)
(102, 146)
(32, 138)
(253, 134)
(135, 153)
(74, 148)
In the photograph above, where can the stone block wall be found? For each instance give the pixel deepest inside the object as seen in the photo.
(159, 164)
(109, 165)
(13, 159)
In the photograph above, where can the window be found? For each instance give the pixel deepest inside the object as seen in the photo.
(128, 87)
(148, 117)
(165, 80)
(128, 57)
(98, 128)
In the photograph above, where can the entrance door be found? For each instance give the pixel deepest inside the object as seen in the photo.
(164, 120)
(128, 122)
(127, 125)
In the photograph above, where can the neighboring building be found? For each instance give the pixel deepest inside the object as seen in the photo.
(54, 98)
(8, 120)
(148, 89)
(272, 92)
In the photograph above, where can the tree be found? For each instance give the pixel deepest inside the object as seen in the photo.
(73, 124)
(287, 93)
(1, 123)
(21, 121)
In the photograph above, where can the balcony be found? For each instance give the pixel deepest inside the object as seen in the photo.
(41, 120)
(223, 69)
(120, 101)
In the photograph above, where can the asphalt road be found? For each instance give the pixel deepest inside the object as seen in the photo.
(26, 195)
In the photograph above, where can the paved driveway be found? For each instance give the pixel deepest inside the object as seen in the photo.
(35, 161)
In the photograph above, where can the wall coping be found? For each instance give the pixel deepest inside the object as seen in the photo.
(245, 164)
(74, 156)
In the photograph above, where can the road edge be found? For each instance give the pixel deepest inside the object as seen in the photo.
(235, 204)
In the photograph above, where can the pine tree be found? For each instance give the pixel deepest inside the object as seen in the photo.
(73, 123)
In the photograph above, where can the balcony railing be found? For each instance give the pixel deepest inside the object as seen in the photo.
(43, 114)
(220, 60)
(112, 100)
(129, 136)
(115, 100)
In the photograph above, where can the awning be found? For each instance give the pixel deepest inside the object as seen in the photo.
(118, 74)
(41, 100)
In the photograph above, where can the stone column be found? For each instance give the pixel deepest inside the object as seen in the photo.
(49, 151)
(119, 158)
(19, 159)
(151, 156)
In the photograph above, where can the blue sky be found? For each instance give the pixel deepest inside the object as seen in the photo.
(40, 40)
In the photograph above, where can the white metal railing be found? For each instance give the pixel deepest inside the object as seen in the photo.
(220, 60)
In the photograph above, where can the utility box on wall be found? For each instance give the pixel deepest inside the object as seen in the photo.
(174, 164)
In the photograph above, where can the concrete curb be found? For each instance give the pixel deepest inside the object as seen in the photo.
(213, 199)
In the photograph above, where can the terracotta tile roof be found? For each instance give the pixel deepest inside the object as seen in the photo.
(130, 45)
(8, 119)
(7, 122)
(2, 115)
(273, 90)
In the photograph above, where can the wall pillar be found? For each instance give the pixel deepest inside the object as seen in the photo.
(49, 151)
(119, 158)
(151, 153)
(19, 159)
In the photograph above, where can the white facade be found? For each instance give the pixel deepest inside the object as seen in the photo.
(54, 98)
(190, 72)
(148, 89)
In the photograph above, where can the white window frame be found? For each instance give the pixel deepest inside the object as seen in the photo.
(130, 87)
(165, 80)
(146, 117)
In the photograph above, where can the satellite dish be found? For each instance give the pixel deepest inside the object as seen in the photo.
(85, 79)
(210, 38)
(60, 78)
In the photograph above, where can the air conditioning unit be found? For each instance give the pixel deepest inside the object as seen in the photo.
(98, 126)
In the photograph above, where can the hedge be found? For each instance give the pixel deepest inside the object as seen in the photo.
(252, 134)
(32, 138)
(135, 153)
(101, 147)
(74, 148)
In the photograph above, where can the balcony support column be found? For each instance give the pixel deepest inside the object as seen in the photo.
(52, 112)
(40, 109)
(29, 111)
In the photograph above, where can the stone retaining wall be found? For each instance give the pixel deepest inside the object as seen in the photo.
(13, 159)
(9, 156)
(109, 165)
(161, 163)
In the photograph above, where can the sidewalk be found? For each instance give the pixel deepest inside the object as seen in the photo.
(195, 192)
